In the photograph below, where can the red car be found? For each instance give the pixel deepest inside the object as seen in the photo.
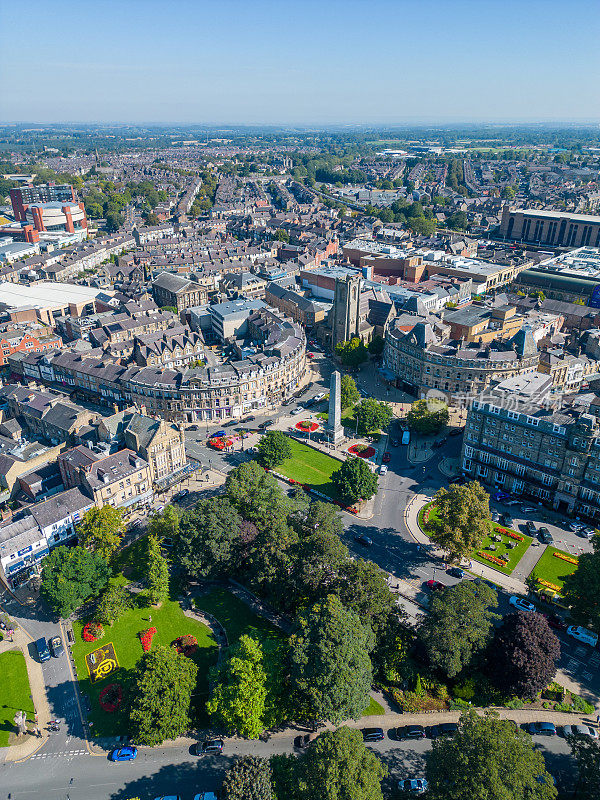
(387, 457)
(554, 621)
(435, 586)
(310, 355)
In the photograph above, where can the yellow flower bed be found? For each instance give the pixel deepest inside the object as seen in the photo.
(564, 557)
(549, 585)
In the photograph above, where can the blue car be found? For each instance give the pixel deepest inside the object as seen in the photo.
(124, 754)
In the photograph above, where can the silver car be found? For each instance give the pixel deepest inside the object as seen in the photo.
(579, 730)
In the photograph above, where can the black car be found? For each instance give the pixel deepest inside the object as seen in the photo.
(250, 419)
(530, 527)
(209, 746)
(266, 424)
(506, 520)
(56, 646)
(361, 538)
(372, 734)
(456, 572)
(410, 732)
(444, 729)
(545, 536)
(193, 428)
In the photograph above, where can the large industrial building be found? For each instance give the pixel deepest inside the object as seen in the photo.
(555, 228)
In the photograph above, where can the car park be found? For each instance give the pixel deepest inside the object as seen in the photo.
(583, 635)
(541, 728)
(413, 785)
(434, 586)
(386, 458)
(210, 746)
(456, 572)
(56, 646)
(410, 732)
(372, 734)
(363, 539)
(124, 754)
(443, 729)
(579, 730)
(521, 605)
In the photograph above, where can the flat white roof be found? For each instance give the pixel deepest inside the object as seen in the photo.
(45, 295)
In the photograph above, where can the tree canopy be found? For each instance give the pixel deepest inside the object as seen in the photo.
(349, 393)
(331, 669)
(354, 480)
(523, 655)
(459, 625)
(157, 572)
(423, 419)
(352, 353)
(161, 691)
(113, 604)
(486, 759)
(70, 575)
(587, 755)
(248, 778)
(372, 415)
(101, 530)
(208, 542)
(273, 448)
(581, 590)
(462, 520)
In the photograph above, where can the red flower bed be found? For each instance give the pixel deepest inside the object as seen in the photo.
(111, 697)
(367, 452)
(146, 638)
(92, 631)
(510, 534)
(220, 443)
(186, 645)
(307, 426)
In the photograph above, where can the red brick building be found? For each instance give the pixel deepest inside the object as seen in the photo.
(14, 341)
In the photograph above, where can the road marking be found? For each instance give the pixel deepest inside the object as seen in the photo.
(573, 664)
(587, 676)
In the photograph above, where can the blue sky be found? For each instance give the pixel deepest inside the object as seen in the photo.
(305, 62)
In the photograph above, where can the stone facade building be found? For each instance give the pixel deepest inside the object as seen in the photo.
(174, 290)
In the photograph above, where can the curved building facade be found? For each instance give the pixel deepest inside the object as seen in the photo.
(57, 216)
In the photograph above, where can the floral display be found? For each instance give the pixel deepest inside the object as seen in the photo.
(186, 644)
(565, 557)
(510, 534)
(362, 451)
(146, 638)
(307, 426)
(493, 559)
(549, 585)
(221, 442)
(92, 631)
(111, 697)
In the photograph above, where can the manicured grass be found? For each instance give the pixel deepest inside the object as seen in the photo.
(235, 616)
(374, 709)
(310, 467)
(552, 569)
(516, 553)
(170, 623)
(14, 692)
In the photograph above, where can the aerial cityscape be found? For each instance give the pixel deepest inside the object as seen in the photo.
(299, 401)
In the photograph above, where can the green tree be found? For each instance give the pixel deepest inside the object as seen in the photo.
(587, 755)
(115, 601)
(281, 235)
(376, 345)
(248, 778)
(362, 587)
(457, 221)
(331, 669)
(162, 687)
(354, 481)
(70, 575)
(150, 218)
(157, 572)
(101, 530)
(523, 655)
(459, 625)
(508, 193)
(581, 590)
(114, 220)
(318, 557)
(349, 394)
(166, 524)
(462, 520)
(256, 494)
(273, 448)
(426, 417)
(352, 353)
(208, 542)
(487, 759)
(337, 766)
(372, 415)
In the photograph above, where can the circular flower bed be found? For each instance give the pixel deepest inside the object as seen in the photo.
(111, 697)
(220, 443)
(362, 451)
(307, 426)
(92, 631)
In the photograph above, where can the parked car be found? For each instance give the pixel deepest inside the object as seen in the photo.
(495, 516)
(56, 646)
(267, 423)
(303, 740)
(413, 785)
(42, 650)
(193, 428)
(434, 586)
(541, 728)
(576, 526)
(168, 797)
(217, 434)
(386, 458)
(456, 572)
(410, 732)
(579, 730)
(456, 431)
(583, 635)
(250, 419)
(545, 536)
(520, 604)
(124, 754)
(528, 510)
(209, 746)
(297, 410)
(443, 729)
(506, 520)
(181, 494)
(205, 796)
(554, 621)
(587, 533)
(383, 469)
(362, 538)
(372, 734)
(530, 527)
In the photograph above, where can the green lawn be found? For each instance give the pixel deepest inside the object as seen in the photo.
(374, 709)
(516, 553)
(170, 623)
(14, 692)
(552, 569)
(310, 467)
(235, 616)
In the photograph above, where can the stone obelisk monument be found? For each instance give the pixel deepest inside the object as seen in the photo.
(334, 429)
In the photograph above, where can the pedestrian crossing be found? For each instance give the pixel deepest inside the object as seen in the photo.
(62, 754)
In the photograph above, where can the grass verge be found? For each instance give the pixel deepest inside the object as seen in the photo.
(311, 468)
(14, 692)
(552, 569)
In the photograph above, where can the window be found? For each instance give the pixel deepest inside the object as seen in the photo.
(546, 479)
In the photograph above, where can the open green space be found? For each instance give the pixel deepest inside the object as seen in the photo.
(374, 709)
(235, 616)
(310, 467)
(170, 623)
(515, 550)
(552, 569)
(14, 692)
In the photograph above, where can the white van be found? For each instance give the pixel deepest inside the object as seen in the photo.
(583, 635)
